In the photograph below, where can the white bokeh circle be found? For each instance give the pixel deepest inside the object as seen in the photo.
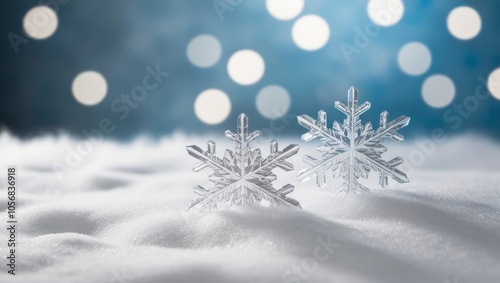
(40, 22)
(273, 101)
(246, 67)
(385, 12)
(89, 88)
(212, 106)
(204, 51)
(284, 9)
(494, 83)
(464, 23)
(438, 91)
(310, 32)
(414, 58)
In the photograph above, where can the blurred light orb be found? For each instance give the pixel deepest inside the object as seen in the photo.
(438, 91)
(464, 23)
(385, 12)
(246, 67)
(204, 51)
(494, 83)
(89, 88)
(40, 22)
(414, 58)
(212, 106)
(310, 32)
(273, 101)
(285, 9)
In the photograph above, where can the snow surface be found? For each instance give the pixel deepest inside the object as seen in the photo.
(120, 216)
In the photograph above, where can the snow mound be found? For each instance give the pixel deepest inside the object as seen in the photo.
(120, 215)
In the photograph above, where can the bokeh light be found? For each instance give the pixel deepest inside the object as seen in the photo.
(464, 23)
(310, 32)
(438, 91)
(494, 83)
(385, 12)
(284, 9)
(204, 51)
(414, 58)
(89, 88)
(212, 106)
(273, 101)
(246, 67)
(315, 50)
(40, 22)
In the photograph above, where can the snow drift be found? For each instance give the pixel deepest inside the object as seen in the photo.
(118, 214)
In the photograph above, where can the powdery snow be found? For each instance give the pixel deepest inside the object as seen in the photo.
(120, 216)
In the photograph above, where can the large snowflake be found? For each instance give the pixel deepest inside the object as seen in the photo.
(351, 150)
(242, 177)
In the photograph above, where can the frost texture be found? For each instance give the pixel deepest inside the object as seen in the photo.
(352, 150)
(242, 177)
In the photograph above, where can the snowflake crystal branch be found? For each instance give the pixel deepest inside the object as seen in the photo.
(242, 176)
(352, 150)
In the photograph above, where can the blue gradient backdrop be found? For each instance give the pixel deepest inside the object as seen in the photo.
(120, 38)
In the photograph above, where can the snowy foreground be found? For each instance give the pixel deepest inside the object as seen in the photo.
(120, 216)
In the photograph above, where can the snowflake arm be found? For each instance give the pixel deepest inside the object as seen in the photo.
(318, 128)
(374, 149)
(242, 176)
(319, 167)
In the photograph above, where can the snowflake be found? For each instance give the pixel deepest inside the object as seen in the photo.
(351, 150)
(242, 177)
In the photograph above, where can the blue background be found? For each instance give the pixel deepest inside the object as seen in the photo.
(120, 38)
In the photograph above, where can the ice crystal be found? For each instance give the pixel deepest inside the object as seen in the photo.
(242, 176)
(351, 150)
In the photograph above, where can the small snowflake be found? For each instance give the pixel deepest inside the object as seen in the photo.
(351, 150)
(242, 177)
